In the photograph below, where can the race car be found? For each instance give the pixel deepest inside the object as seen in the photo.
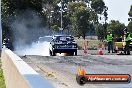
(63, 44)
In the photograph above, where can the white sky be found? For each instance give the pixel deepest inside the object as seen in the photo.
(118, 10)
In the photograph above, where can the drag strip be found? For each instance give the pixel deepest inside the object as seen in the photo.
(61, 71)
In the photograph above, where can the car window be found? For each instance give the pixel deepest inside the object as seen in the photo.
(64, 38)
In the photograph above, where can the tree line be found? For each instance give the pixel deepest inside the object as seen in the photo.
(81, 17)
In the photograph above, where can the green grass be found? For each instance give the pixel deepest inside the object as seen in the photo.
(2, 81)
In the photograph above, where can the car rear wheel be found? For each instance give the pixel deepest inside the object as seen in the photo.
(72, 53)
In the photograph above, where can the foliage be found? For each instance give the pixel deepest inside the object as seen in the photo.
(79, 16)
(72, 12)
(101, 31)
(13, 9)
(130, 26)
(83, 17)
(130, 19)
(130, 13)
(99, 7)
(116, 28)
(55, 28)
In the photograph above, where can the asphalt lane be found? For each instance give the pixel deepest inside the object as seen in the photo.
(95, 52)
(61, 71)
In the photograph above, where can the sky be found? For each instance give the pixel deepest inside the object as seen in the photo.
(118, 10)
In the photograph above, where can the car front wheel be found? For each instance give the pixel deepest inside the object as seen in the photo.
(75, 52)
(53, 53)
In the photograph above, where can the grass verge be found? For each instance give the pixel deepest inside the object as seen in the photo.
(2, 81)
(92, 44)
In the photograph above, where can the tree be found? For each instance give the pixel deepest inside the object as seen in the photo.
(84, 15)
(6, 32)
(78, 15)
(55, 28)
(130, 26)
(13, 10)
(98, 7)
(130, 19)
(130, 14)
(79, 18)
(116, 28)
(83, 23)
(101, 31)
(13, 7)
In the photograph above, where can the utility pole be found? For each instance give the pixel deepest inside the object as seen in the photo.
(0, 31)
(51, 19)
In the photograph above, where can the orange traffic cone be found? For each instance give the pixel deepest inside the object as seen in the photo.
(81, 71)
(100, 52)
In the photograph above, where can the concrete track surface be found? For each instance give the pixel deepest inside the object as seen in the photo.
(61, 71)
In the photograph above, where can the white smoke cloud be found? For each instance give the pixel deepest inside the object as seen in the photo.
(35, 49)
(27, 28)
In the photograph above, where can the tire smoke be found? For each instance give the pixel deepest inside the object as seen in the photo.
(27, 27)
